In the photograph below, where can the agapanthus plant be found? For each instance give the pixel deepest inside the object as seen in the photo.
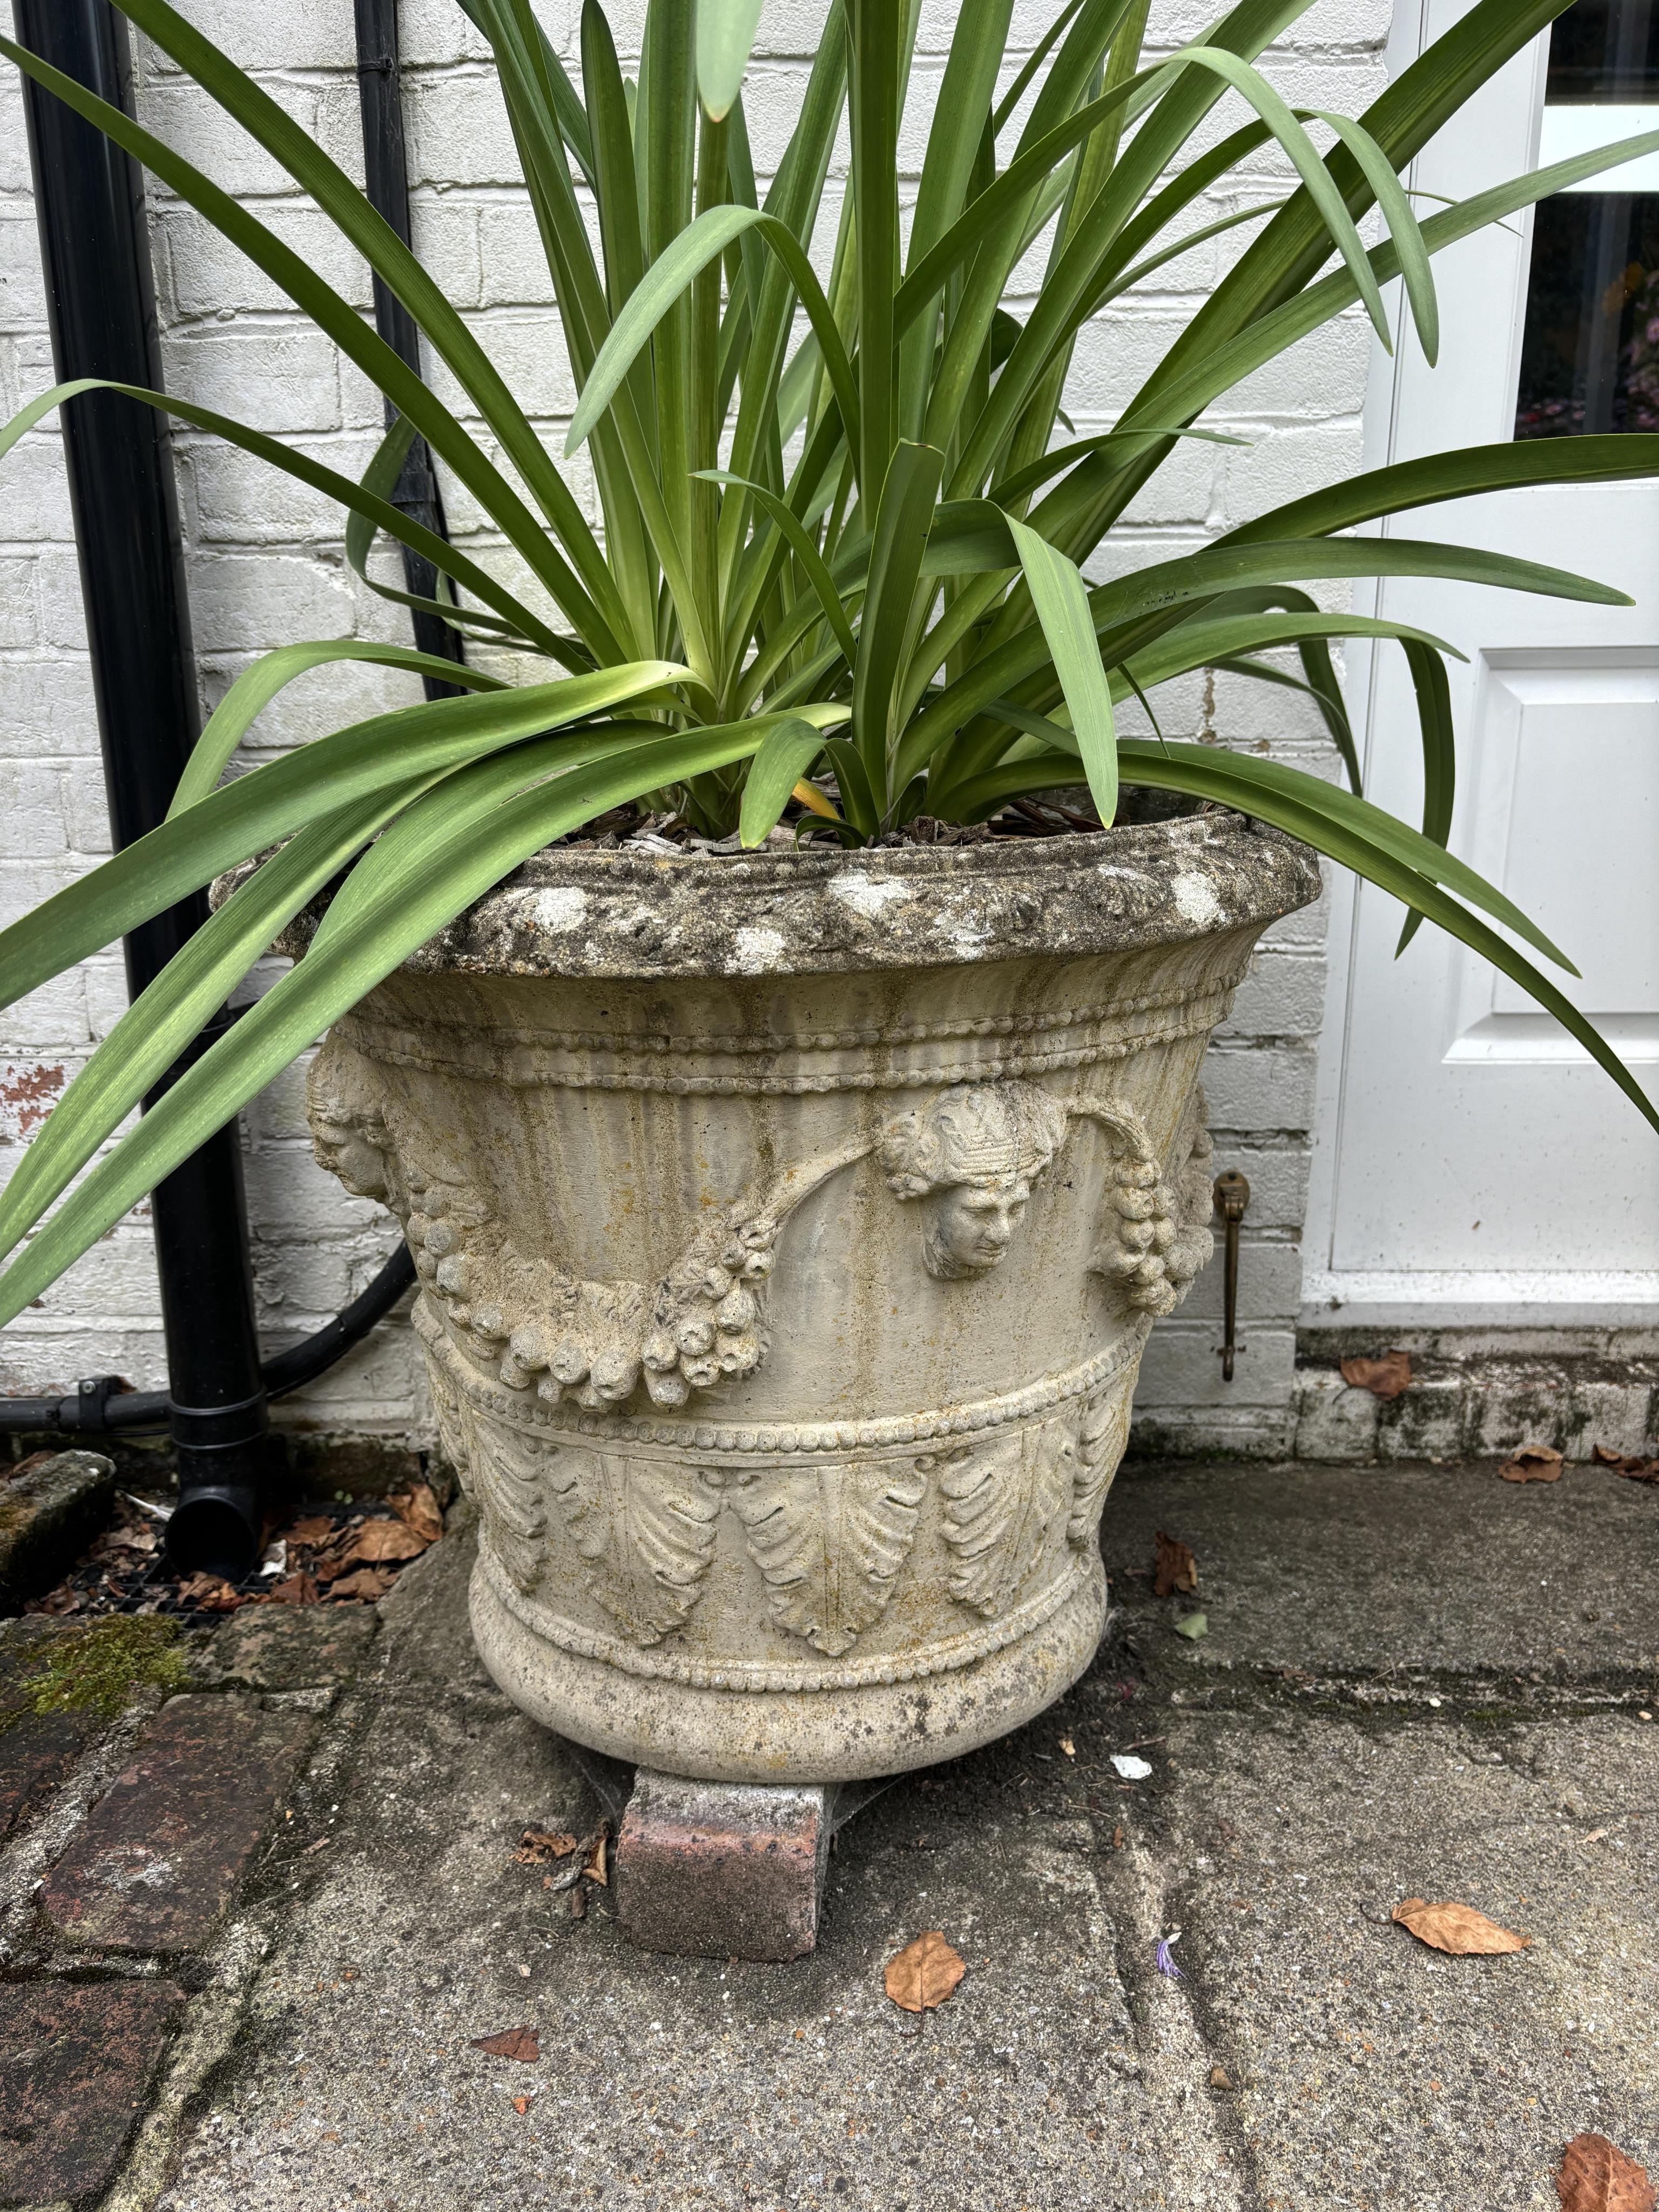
(840, 576)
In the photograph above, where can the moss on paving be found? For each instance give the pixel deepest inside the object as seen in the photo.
(97, 1668)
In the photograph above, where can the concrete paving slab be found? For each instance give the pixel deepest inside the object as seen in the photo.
(1374, 2072)
(1386, 1707)
(1385, 1567)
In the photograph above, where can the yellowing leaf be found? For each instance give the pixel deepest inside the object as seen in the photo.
(418, 1508)
(1384, 1378)
(523, 2044)
(387, 1540)
(1533, 1463)
(1458, 1928)
(924, 1974)
(1176, 1568)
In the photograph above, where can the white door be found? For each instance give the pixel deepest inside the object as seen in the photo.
(1474, 1165)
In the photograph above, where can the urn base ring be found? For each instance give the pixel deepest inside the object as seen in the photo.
(824, 1736)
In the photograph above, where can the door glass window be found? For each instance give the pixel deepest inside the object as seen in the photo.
(1590, 355)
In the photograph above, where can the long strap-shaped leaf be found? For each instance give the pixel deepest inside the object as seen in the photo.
(1464, 473)
(339, 320)
(1061, 600)
(355, 498)
(271, 802)
(461, 858)
(352, 212)
(1179, 391)
(903, 520)
(1434, 719)
(725, 32)
(800, 544)
(1074, 278)
(160, 1023)
(670, 276)
(1151, 594)
(256, 687)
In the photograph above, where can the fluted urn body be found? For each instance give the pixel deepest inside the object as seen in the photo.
(789, 1227)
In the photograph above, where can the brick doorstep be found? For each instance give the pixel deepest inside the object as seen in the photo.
(157, 1860)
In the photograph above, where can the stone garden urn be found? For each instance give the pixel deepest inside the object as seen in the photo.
(789, 1226)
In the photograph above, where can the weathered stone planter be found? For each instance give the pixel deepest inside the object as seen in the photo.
(789, 1228)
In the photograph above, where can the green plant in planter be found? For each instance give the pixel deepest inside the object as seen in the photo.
(840, 561)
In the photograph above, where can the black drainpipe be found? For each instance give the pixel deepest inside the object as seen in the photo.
(385, 173)
(95, 253)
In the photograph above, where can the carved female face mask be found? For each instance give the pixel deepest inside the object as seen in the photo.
(968, 1226)
(972, 1156)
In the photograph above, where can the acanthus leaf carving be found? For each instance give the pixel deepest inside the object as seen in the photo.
(1003, 1499)
(1100, 1444)
(503, 1470)
(646, 1532)
(830, 1542)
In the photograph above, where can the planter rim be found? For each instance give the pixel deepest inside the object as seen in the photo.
(616, 913)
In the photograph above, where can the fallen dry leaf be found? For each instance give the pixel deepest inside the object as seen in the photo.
(387, 1540)
(1458, 1928)
(1176, 1568)
(593, 1866)
(1642, 1470)
(924, 1974)
(1595, 2176)
(1533, 1463)
(368, 1584)
(298, 1589)
(1385, 1378)
(418, 1506)
(521, 2105)
(521, 2042)
(210, 1594)
(538, 1846)
(317, 1528)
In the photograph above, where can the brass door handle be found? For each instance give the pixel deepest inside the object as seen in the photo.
(1232, 1195)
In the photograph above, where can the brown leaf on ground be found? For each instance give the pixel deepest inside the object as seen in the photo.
(368, 1583)
(1458, 1928)
(593, 1866)
(1642, 1470)
(210, 1594)
(521, 2105)
(1176, 1568)
(523, 2044)
(1595, 2176)
(298, 1589)
(924, 1974)
(538, 1846)
(387, 1540)
(1384, 1378)
(1533, 1463)
(418, 1506)
(316, 1529)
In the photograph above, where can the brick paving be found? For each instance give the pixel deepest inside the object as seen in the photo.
(159, 1858)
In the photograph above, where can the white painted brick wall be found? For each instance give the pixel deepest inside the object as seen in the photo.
(265, 568)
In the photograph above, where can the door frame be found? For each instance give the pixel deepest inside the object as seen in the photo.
(1420, 1299)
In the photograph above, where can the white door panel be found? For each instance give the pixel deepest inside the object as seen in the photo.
(1473, 1157)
